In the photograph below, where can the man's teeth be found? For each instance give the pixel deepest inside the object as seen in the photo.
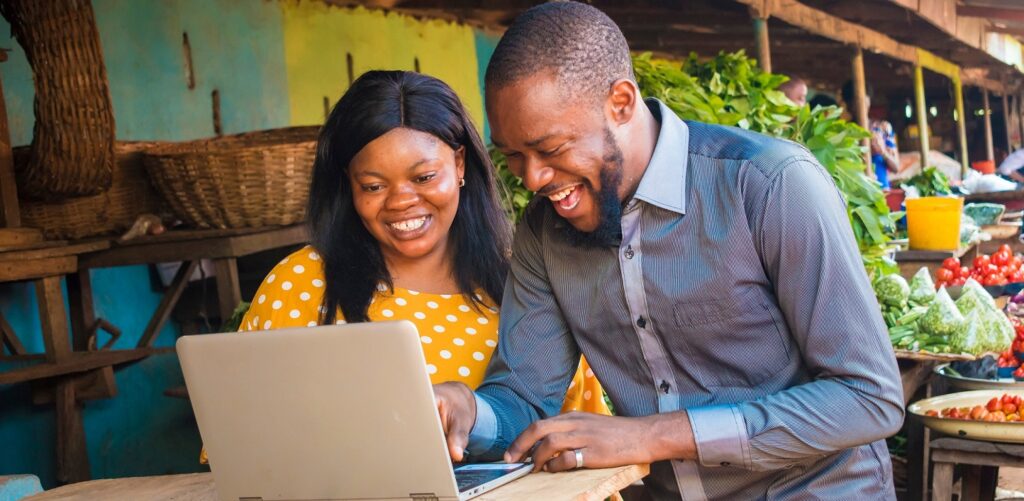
(409, 224)
(561, 194)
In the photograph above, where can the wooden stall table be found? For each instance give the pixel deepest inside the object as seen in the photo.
(982, 461)
(223, 247)
(578, 485)
(910, 261)
(916, 374)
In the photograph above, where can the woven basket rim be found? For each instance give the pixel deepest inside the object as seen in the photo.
(255, 140)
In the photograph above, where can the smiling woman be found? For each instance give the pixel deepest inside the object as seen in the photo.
(406, 224)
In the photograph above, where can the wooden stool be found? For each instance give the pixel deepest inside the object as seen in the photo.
(982, 461)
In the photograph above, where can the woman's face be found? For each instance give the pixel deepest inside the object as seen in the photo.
(405, 187)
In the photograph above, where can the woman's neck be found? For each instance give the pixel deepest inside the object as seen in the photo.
(431, 273)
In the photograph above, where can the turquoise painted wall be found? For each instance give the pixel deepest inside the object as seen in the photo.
(485, 45)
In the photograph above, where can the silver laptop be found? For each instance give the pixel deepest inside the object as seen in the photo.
(333, 412)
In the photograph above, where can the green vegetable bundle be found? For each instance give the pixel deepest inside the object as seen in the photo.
(929, 183)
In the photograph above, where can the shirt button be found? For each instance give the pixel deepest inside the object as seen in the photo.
(641, 323)
(629, 253)
(725, 463)
(665, 386)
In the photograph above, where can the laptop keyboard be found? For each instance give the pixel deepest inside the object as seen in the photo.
(467, 480)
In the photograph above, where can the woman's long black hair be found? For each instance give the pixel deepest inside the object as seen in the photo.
(479, 238)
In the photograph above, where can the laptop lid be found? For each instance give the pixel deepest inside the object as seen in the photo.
(332, 412)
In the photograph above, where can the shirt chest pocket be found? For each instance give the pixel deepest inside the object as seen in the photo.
(735, 341)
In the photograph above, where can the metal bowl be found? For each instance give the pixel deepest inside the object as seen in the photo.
(966, 383)
(1012, 432)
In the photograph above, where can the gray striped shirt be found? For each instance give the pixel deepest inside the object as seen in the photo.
(737, 293)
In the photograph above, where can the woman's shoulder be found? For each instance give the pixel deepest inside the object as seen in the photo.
(291, 293)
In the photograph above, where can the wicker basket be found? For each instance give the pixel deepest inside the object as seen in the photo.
(247, 180)
(111, 212)
(73, 139)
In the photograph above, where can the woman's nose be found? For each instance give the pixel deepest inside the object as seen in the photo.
(401, 198)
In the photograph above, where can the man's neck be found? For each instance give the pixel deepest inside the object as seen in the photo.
(639, 148)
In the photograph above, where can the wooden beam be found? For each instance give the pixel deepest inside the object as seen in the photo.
(989, 153)
(1006, 123)
(228, 292)
(860, 106)
(10, 214)
(10, 339)
(990, 12)
(50, 296)
(78, 362)
(961, 125)
(764, 49)
(72, 456)
(922, 113)
(167, 302)
(83, 312)
(11, 271)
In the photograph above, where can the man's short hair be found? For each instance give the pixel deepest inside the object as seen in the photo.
(582, 46)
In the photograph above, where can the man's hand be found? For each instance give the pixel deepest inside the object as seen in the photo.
(606, 441)
(457, 408)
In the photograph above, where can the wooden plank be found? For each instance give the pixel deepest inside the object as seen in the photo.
(10, 339)
(82, 310)
(860, 108)
(976, 458)
(579, 485)
(19, 237)
(11, 271)
(10, 214)
(942, 482)
(764, 48)
(96, 384)
(990, 12)
(54, 251)
(50, 297)
(72, 458)
(987, 122)
(228, 291)
(78, 362)
(167, 302)
(209, 248)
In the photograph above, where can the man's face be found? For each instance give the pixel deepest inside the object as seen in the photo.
(797, 93)
(562, 148)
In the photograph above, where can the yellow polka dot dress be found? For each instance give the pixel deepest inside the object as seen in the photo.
(457, 338)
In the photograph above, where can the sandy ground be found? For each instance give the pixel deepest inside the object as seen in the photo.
(1011, 483)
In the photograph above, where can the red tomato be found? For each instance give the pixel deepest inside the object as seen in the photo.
(965, 272)
(990, 269)
(981, 261)
(958, 281)
(951, 263)
(1017, 276)
(992, 280)
(944, 275)
(1000, 258)
(1005, 248)
(1015, 262)
(1005, 271)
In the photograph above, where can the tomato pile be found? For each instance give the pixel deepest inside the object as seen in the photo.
(1001, 268)
(999, 409)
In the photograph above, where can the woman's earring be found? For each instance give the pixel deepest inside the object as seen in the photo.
(462, 182)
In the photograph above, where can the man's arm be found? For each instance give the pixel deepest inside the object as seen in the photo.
(855, 395)
(536, 355)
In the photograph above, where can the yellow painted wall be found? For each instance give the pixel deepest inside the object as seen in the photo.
(317, 38)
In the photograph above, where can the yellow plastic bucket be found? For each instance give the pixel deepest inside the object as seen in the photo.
(933, 223)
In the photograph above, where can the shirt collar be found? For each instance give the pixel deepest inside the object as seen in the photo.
(664, 180)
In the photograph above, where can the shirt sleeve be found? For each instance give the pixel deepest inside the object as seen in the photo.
(854, 395)
(536, 355)
(289, 296)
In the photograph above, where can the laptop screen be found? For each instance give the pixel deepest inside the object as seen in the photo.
(470, 476)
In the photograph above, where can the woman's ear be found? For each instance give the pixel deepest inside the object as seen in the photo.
(460, 161)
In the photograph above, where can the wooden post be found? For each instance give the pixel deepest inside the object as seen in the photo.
(860, 104)
(989, 153)
(961, 125)
(1006, 122)
(10, 215)
(764, 51)
(922, 113)
(54, 322)
(1020, 117)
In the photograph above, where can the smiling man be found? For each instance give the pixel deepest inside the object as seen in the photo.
(708, 273)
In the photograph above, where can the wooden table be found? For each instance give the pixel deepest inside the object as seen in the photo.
(910, 261)
(579, 485)
(982, 461)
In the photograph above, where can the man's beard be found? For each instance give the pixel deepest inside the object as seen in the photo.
(609, 216)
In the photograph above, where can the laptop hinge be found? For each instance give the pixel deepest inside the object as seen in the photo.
(250, 498)
(422, 496)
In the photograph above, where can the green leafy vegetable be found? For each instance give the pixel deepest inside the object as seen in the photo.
(930, 182)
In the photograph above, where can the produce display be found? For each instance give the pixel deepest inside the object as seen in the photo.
(929, 183)
(1006, 408)
(1001, 268)
(985, 213)
(920, 319)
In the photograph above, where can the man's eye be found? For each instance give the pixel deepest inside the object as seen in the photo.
(426, 177)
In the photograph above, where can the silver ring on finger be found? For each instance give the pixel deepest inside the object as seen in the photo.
(579, 458)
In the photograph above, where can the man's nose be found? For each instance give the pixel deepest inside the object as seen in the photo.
(537, 175)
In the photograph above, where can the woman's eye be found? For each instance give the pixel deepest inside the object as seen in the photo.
(426, 177)
(372, 188)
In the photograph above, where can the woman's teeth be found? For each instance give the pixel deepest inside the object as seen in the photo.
(409, 224)
(559, 195)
